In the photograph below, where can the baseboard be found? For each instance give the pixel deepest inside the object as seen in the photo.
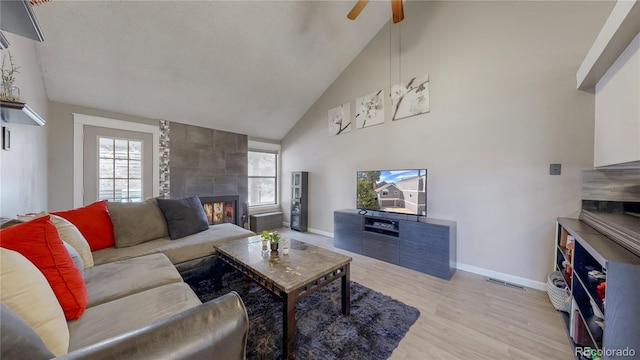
(502, 276)
(469, 268)
(314, 231)
(320, 232)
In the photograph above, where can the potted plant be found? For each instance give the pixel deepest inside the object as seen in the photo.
(271, 237)
(9, 91)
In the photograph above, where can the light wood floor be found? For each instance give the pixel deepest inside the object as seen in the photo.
(464, 318)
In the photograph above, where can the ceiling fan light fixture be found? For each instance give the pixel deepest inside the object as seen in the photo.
(396, 9)
(357, 8)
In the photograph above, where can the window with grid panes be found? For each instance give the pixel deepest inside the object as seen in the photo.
(119, 169)
(263, 178)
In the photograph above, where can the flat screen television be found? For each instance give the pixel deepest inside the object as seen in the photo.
(395, 191)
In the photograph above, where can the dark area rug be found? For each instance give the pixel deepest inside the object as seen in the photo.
(373, 330)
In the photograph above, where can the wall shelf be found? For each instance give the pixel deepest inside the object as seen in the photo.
(616, 34)
(18, 18)
(19, 113)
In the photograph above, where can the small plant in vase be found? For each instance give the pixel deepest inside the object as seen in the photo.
(274, 240)
(271, 237)
(9, 92)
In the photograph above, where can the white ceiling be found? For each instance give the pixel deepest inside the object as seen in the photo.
(250, 67)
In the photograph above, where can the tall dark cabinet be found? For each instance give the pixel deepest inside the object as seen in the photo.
(299, 200)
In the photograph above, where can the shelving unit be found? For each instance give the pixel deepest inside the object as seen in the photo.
(299, 200)
(381, 226)
(619, 303)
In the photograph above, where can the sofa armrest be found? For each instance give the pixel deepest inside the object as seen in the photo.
(217, 329)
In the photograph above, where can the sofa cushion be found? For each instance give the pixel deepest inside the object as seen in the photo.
(7, 222)
(26, 291)
(17, 338)
(135, 223)
(188, 248)
(77, 260)
(111, 281)
(68, 232)
(38, 241)
(94, 223)
(129, 313)
(184, 216)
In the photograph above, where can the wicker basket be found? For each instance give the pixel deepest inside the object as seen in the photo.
(560, 296)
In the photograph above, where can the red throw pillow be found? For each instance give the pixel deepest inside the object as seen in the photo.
(38, 241)
(94, 223)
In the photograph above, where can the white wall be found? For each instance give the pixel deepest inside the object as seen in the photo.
(503, 107)
(23, 178)
(617, 115)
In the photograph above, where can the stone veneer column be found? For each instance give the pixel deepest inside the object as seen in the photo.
(165, 151)
(208, 162)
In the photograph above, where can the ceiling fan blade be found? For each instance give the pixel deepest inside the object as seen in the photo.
(357, 8)
(397, 10)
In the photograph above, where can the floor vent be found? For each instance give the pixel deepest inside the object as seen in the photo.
(515, 286)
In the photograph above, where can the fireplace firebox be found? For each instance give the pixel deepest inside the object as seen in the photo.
(221, 209)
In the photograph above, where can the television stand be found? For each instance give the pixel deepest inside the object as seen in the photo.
(426, 245)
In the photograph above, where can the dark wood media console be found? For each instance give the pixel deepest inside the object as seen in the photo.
(428, 245)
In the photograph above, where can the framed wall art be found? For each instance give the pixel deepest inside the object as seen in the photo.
(410, 98)
(340, 119)
(370, 110)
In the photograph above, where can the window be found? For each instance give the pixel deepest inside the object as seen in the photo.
(263, 178)
(119, 169)
(385, 192)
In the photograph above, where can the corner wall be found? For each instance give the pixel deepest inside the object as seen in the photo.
(23, 169)
(503, 107)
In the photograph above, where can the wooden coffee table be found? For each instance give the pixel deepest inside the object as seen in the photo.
(291, 277)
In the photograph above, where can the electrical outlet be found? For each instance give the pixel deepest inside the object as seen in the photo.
(555, 169)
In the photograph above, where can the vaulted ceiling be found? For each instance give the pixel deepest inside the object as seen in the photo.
(250, 67)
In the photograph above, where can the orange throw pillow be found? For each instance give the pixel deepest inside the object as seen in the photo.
(38, 241)
(94, 223)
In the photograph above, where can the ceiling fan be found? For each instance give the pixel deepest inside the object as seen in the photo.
(396, 9)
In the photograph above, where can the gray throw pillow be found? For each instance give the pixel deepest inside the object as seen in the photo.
(184, 216)
(75, 256)
(6, 222)
(135, 223)
(18, 340)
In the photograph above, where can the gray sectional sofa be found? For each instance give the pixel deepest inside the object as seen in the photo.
(141, 229)
(187, 254)
(139, 306)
